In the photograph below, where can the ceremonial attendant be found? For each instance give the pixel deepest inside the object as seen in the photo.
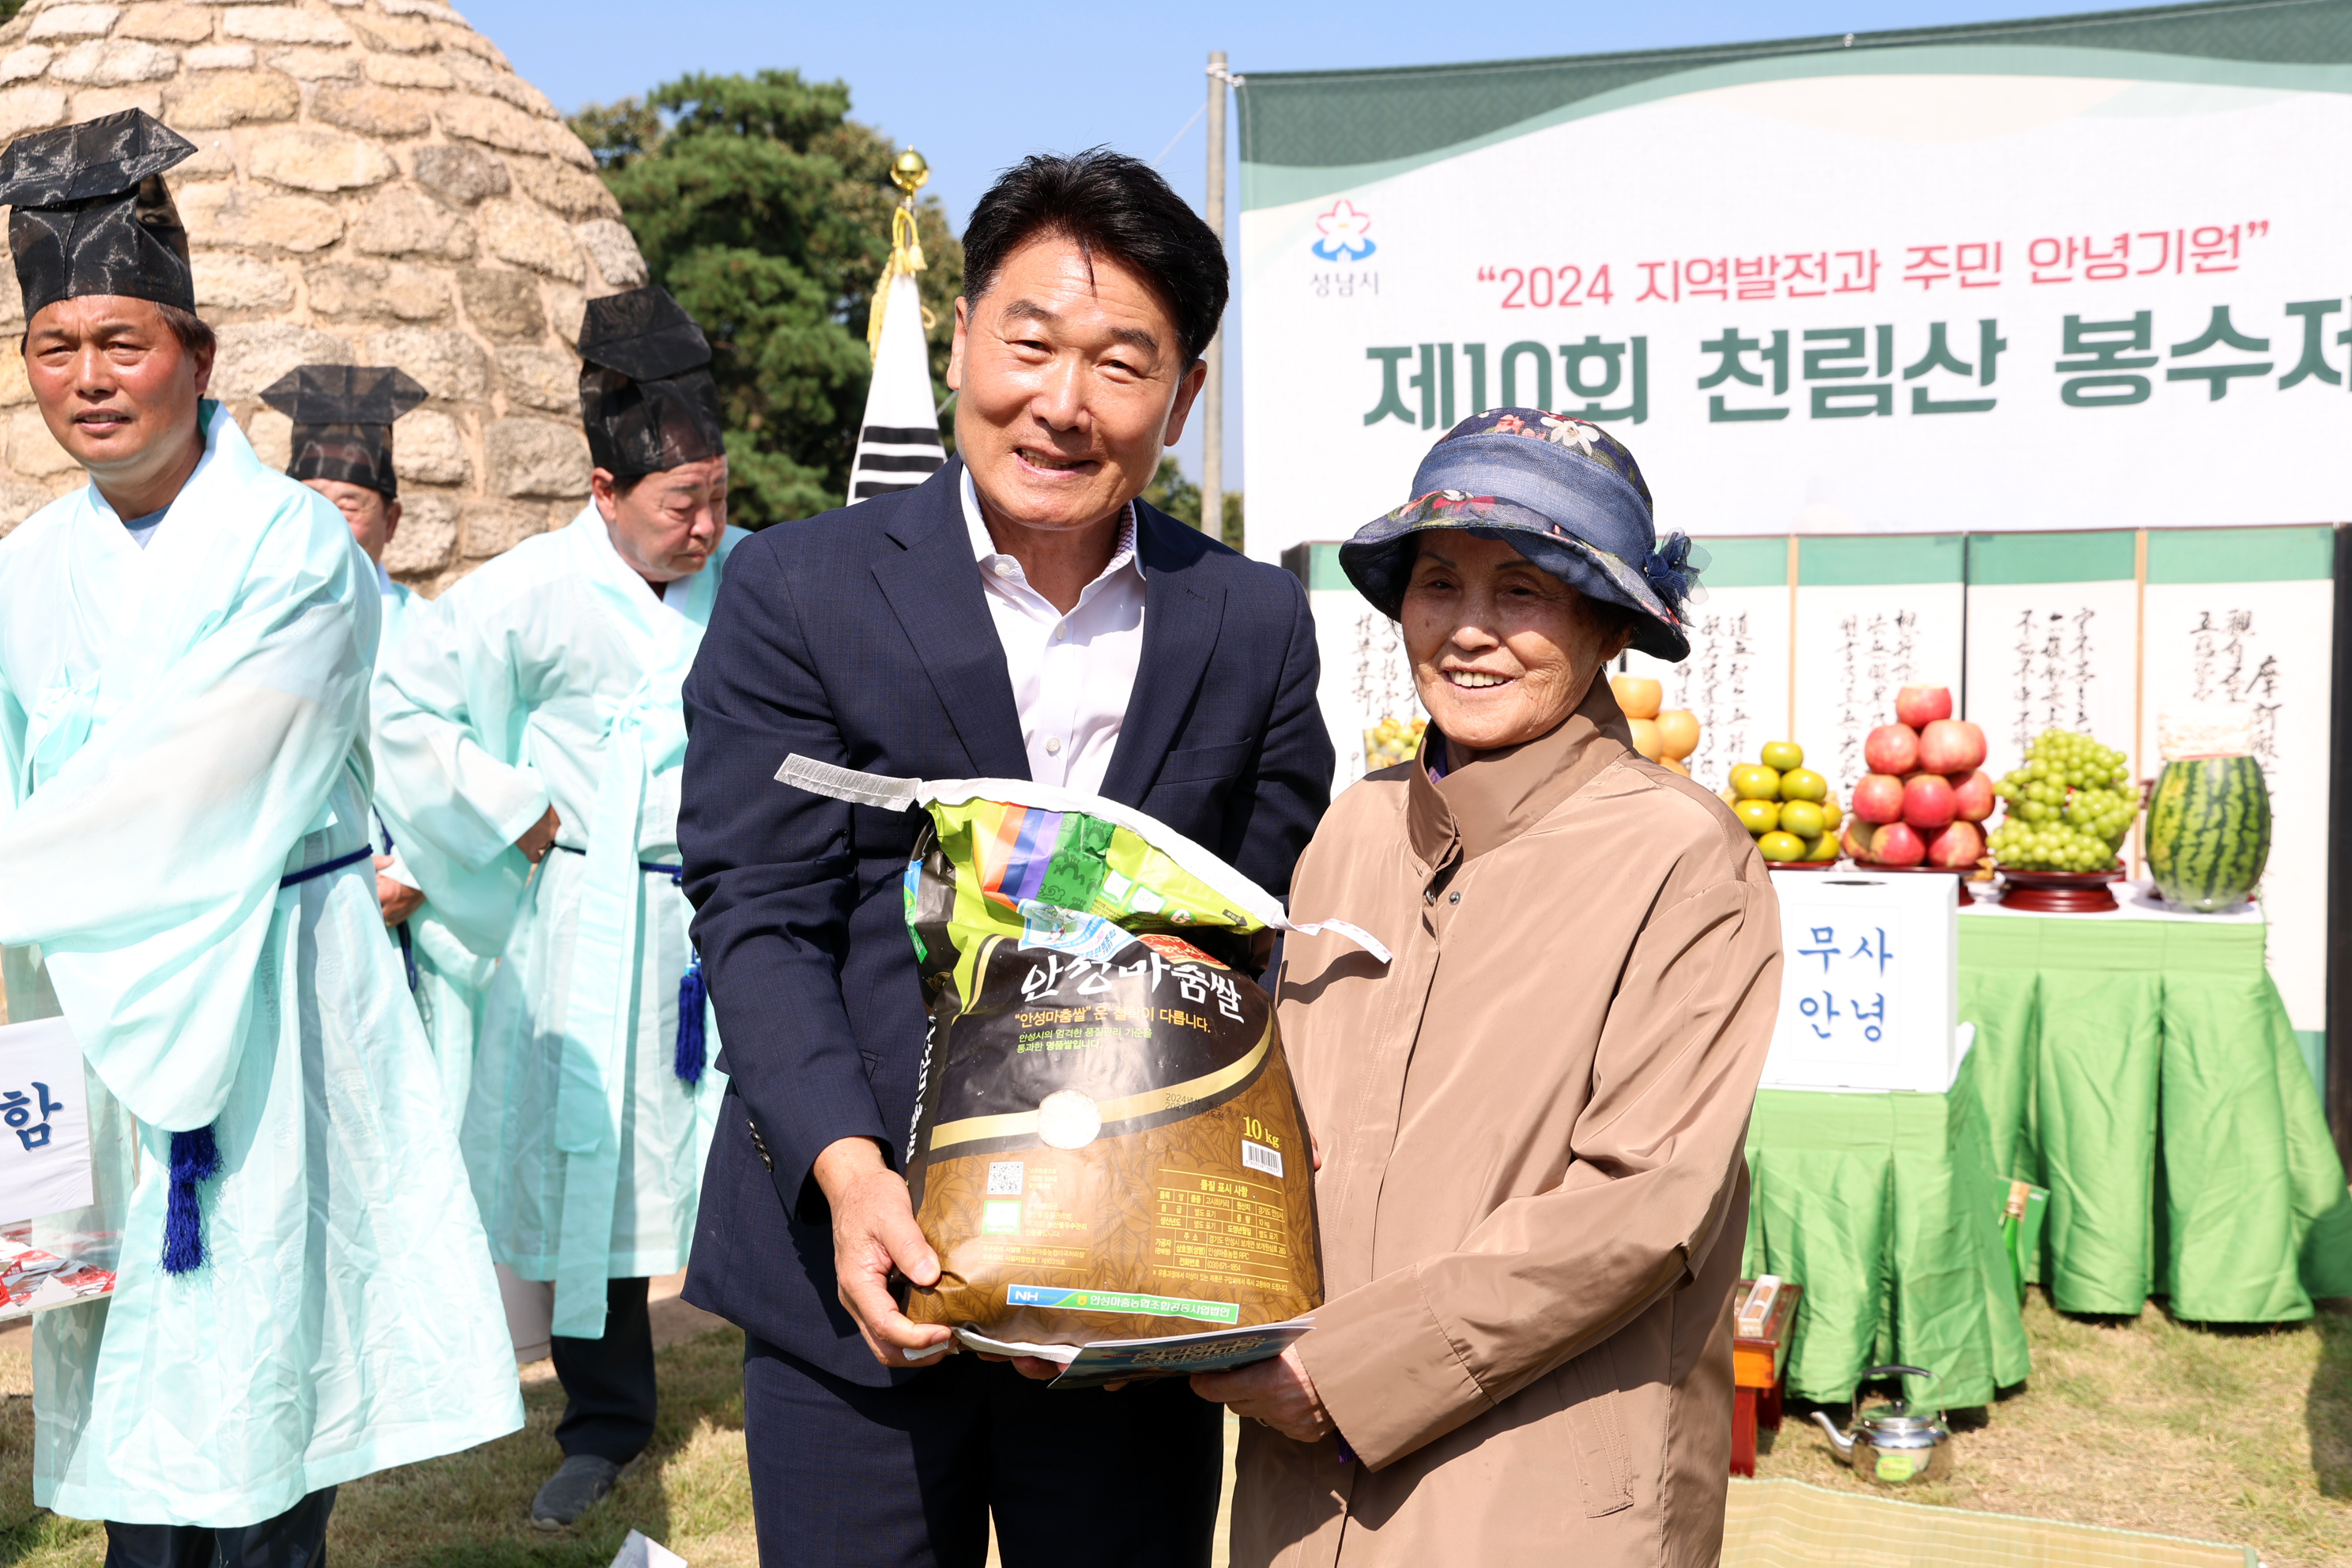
(539, 725)
(303, 1295)
(1530, 1122)
(1022, 614)
(343, 417)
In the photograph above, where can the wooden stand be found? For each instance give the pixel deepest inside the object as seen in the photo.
(2059, 892)
(1757, 1361)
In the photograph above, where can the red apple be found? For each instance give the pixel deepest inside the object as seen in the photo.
(1976, 735)
(1878, 798)
(1957, 846)
(1951, 746)
(1972, 797)
(1920, 706)
(1896, 844)
(1892, 749)
(1856, 842)
(1928, 802)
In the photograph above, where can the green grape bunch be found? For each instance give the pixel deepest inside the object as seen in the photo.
(2069, 806)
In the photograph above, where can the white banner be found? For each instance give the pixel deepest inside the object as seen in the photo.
(1931, 291)
(44, 1121)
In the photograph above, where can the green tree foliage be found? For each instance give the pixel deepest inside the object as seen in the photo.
(1180, 498)
(766, 210)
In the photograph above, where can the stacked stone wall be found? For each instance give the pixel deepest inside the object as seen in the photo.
(374, 185)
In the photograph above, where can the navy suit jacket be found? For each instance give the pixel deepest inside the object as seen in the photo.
(863, 638)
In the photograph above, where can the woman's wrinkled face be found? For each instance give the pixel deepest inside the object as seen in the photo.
(1501, 650)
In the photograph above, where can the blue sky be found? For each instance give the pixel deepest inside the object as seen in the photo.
(976, 87)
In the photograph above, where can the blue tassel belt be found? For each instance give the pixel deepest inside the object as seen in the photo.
(196, 1156)
(691, 1054)
(312, 873)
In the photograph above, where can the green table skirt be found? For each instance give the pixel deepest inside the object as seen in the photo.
(1887, 1209)
(2146, 1073)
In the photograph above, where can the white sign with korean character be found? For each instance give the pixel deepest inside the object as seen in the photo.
(44, 1121)
(1868, 983)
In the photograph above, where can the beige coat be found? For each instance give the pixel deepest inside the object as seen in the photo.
(1533, 1193)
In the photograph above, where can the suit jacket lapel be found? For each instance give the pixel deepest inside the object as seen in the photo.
(934, 589)
(1179, 631)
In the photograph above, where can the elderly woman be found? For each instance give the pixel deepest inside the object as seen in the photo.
(1530, 1122)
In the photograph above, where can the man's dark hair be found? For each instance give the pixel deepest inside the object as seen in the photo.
(1110, 205)
(195, 334)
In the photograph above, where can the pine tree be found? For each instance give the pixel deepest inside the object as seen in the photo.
(766, 210)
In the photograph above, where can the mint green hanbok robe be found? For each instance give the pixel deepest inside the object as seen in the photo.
(445, 975)
(182, 729)
(550, 677)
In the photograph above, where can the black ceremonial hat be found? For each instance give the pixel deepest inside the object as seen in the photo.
(647, 398)
(92, 214)
(342, 417)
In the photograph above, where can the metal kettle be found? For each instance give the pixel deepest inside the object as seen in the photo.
(1890, 1441)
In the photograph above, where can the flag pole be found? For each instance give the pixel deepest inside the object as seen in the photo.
(899, 444)
(1213, 391)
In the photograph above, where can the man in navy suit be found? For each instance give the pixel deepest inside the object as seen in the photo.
(1024, 615)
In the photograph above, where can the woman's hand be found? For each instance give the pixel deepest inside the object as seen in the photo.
(1276, 1393)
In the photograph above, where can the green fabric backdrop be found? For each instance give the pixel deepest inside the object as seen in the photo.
(1887, 1209)
(2146, 1073)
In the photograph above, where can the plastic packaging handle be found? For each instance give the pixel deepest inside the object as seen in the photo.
(877, 790)
(1878, 1372)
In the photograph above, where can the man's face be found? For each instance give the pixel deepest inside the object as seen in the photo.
(670, 522)
(115, 387)
(374, 517)
(1071, 380)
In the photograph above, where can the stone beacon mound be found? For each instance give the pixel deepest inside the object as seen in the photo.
(375, 185)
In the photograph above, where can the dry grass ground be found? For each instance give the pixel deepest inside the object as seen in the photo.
(2147, 1425)
(472, 1509)
(2227, 1435)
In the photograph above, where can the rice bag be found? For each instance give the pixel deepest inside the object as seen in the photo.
(1107, 1144)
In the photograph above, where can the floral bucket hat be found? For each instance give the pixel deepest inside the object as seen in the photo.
(1562, 492)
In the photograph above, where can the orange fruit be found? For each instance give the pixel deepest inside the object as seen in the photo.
(1637, 695)
(1678, 732)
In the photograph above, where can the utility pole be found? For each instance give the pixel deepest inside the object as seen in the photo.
(1213, 392)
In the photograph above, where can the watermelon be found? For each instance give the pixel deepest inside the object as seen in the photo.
(2208, 831)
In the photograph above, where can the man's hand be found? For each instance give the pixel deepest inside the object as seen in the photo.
(536, 843)
(874, 1230)
(1276, 1393)
(399, 900)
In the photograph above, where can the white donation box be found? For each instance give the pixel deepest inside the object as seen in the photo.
(1869, 981)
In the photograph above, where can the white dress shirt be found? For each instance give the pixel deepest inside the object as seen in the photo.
(1071, 674)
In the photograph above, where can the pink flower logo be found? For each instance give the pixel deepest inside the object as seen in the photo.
(1343, 229)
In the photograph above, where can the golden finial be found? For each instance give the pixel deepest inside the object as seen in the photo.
(908, 171)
